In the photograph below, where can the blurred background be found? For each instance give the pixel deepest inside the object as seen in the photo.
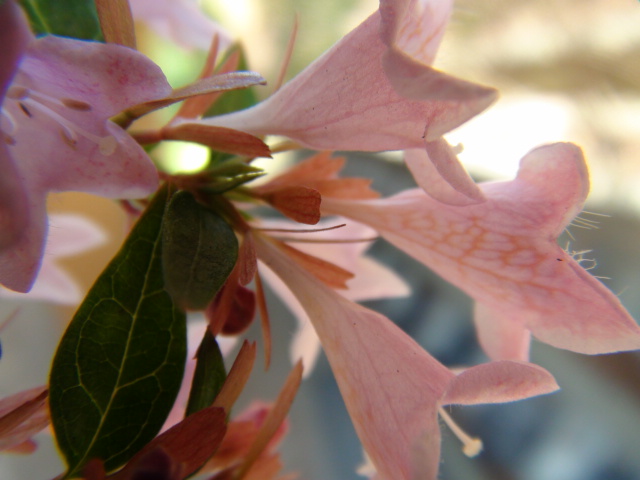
(566, 70)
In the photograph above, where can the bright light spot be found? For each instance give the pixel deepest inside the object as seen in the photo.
(495, 141)
(181, 157)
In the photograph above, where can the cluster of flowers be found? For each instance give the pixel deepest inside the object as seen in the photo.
(66, 108)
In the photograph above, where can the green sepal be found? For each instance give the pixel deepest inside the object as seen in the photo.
(120, 363)
(209, 375)
(200, 251)
(230, 174)
(67, 18)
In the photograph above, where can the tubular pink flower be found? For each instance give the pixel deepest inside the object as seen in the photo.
(14, 38)
(372, 280)
(55, 121)
(68, 235)
(503, 252)
(373, 90)
(182, 21)
(391, 386)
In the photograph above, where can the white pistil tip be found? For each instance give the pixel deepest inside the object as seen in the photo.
(471, 446)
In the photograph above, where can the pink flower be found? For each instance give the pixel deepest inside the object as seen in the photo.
(182, 21)
(14, 36)
(503, 252)
(373, 90)
(68, 235)
(371, 279)
(22, 415)
(391, 386)
(55, 120)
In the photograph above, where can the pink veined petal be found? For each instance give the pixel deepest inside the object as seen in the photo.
(63, 95)
(503, 253)
(68, 235)
(415, 27)
(52, 285)
(14, 37)
(182, 21)
(19, 264)
(14, 435)
(391, 386)
(14, 211)
(305, 344)
(437, 171)
(368, 353)
(345, 101)
(501, 336)
(499, 382)
(372, 279)
(346, 247)
(108, 77)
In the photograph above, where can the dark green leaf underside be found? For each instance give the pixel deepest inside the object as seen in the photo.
(68, 18)
(209, 375)
(200, 251)
(120, 363)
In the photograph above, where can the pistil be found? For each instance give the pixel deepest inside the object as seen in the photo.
(471, 446)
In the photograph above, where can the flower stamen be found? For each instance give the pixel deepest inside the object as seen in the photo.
(471, 446)
(31, 101)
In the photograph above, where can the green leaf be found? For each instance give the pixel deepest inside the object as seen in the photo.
(209, 376)
(200, 251)
(234, 100)
(68, 18)
(120, 363)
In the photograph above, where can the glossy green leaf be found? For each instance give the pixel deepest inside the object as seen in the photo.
(200, 251)
(68, 18)
(120, 363)
(209, 376)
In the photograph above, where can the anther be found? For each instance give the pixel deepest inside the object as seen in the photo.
(70, 131)
(76, 104)
(471, 446)
(25, 110)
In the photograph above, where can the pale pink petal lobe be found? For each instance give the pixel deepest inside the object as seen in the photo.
(499, 382)
(501, 337)
(437, 171)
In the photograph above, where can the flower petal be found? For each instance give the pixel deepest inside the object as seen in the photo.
(389, 383)
(499, 382)
(345, 101)
(68, 235)
(437, 170)
(14, 38)
(22, 415)
(65, 91)
(415, 27)
(503, 253)
(182, 21)
(502, 337)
